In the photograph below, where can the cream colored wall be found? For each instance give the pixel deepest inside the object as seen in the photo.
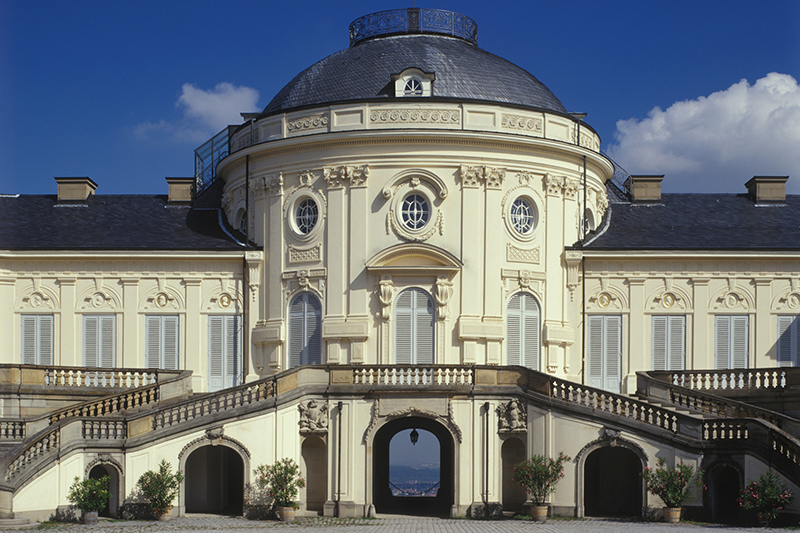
(68, 286)
(701, 286)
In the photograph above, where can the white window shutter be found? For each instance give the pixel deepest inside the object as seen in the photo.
(530, 332)
(108, 341)
(215, 355)
(786, 340)
(423, 322)
(231, 351)
(514, 330)
(91, 334)
(152, 333)
(297, 333)
(677, 342)
(29, 339)
(722, 344)
(660, 342)
(740, 341)
(596, 349)
(170, 330)
(313, 317)
(403, 328)
(613, 349)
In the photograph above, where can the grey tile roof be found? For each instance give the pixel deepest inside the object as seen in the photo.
(109, 222)
(462, 71)
(713, 222)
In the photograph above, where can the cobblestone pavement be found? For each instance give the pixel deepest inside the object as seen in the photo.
(201, 523)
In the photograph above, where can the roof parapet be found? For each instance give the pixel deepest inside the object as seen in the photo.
(645, 189)
(180, 191)
(765, 190)
(74, 190)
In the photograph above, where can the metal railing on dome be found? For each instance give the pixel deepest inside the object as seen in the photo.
(206, 159)
(413, 20)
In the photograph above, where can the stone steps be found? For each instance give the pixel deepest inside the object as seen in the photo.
(17, 523)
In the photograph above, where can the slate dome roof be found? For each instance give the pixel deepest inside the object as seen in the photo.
(462, 71)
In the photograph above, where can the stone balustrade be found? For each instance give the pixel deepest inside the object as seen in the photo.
(426, 375)
(44, 444)
(720, 380)
(12, 430)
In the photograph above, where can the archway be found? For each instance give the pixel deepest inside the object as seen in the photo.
(99, 471)
(724, 486)
(612, 483)
(315, 471)
(514, 496)
(388, 501)
(214, 481)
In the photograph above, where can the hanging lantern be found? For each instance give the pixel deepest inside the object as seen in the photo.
(414, 436)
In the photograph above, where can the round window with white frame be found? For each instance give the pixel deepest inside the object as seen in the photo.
(305, 214)
(521, 215)
(415, 211)
(413, 87)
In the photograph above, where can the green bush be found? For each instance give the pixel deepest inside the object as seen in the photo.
(672, 484)
(89, 494)
(281, 480)
(539, 476)
(767, 496)
(160, 488)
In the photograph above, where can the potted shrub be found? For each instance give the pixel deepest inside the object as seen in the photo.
(672, 485)
(90, 496)
(160, 488)
(767, 496)
(539, 476)
(282, 482)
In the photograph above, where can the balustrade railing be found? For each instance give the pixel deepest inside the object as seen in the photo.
(615, 404)
(721, 380)
(109, 404)
(46, 443)
(413, 375)
(718, 430)
(84, 377)
(12, 430)
(786, 446)
(217, 402)
(103, 429)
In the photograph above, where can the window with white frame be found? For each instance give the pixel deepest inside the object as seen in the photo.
(224, 359)
(788, 341)
(100, 341)
(522, 331)
(669, 342)
(161, 342)
(305, 330)
(415, 211)
(306, 215)
(731, 347)
(413, 337)
(605, 351)
(37, 339)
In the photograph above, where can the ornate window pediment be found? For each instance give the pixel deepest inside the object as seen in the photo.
(413, 82)
(414, 259)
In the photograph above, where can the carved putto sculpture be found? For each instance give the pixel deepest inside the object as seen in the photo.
(313, 416)
(512, 416)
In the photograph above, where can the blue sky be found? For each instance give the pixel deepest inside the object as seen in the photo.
(124, 91)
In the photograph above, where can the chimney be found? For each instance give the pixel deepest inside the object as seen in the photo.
(765, 190)
(180, 191)
(75, 190)
(645, 189)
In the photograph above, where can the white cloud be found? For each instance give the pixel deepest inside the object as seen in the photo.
(718, 142)
(204, 113)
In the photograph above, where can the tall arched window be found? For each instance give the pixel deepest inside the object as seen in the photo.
(305, 331)
(522, 331)
(413, 332)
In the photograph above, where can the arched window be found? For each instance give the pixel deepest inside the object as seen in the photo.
(305, 331)
(522, 331)
(413, 336)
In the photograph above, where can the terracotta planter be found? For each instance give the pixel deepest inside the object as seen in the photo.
(90, 517)
(286, 514)
(539, 513)
(672, 515)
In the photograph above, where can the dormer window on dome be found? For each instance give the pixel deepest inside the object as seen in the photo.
(412, 82)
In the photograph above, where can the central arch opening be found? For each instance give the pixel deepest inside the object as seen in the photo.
(214, 481)
(413, 479)
(613, 484)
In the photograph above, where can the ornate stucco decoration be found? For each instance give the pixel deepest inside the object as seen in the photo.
(420, 184)
(524, 280)
(337, 177)
(162, 300)
(313, 416)
(515, 254)
(305, 280)
(273, 184)
(385, 293)
(789, 301)
(415, 116)
(602, 204)
(224, 300)
(494, 177)
(520, 122)
(573, 260)
(214, 437)
(613, 438)
(309, 254)
(38, 299)
(472, 177)
(443, 290)
(254, 260)
(100, 299)
(446, 420)
(311, 122)
(669, 300)
(606, 300)
(558, 185)
(512, 417)
(103, 459)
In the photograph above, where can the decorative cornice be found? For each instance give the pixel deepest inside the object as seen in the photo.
(415, 116)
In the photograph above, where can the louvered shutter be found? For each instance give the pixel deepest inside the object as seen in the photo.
(91, 334)
(787, 340)
(297, 333)
(739, 348)
(530, 332)
(403, 330)
(313, 318)
(153, 341)
(28, 339)
(722, 334)
(231, 351)
(169, 328)
(514, 330)
(676, 354)
(613, 353)
(596, 349)
(423, 322)
(660, 342)
(108, 341)
(45, 355)
(215, 355)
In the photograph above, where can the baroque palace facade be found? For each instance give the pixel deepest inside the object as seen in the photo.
(414, 233)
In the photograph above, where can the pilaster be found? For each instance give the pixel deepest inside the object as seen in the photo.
(703, 339)
(131, 356)
(763, 320)
(70, 351)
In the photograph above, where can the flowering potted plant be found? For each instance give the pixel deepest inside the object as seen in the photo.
(672, 485)
(160, 488)
(282, 481)
(90, 496)
(539, 476)
(767, 496)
